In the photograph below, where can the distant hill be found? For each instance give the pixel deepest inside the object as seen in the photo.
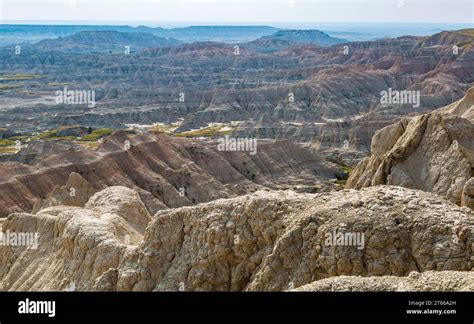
(459, 37)
(304, 37)
(227, 34)
(284, 39)
(12, 34)
(100, 41)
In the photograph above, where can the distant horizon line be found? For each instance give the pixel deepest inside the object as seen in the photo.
(208, 23)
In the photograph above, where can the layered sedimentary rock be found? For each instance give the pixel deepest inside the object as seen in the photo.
(104, 41)
(76, 192)
(334, 88)
(167, 171)
(432, 152)
(264, 241)
(75, 245)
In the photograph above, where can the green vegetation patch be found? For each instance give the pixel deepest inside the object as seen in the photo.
(346, 169)
(60, 84)
(467, 31)
(97, 134)
(163, 128)
(7, 150)
(206, 132)
(46, 135)
(94, 135)
(6, 142)
(20, 77)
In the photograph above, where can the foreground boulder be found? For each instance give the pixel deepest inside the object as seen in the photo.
(426, 281)
(75, 245)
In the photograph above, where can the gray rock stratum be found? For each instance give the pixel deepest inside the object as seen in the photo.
(269, 241)
(431, 152)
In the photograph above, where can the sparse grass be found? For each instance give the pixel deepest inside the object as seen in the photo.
(52, 135)
(465, 43)
(90, 141)
(46, 135)
(467, 31)
(339, 182)
(7, 150)
(28, 92)
(85, 140)
(346, 169)
(10, 86)
(163, 128)
(57, 84)
(342, 179)
(97, 134)
(6, 142)
(18, 138)
(206, 132)
(19, 77)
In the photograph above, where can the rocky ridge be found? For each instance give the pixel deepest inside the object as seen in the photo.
(432, 152)
(268, 241)
(426, 281)
(168, 172)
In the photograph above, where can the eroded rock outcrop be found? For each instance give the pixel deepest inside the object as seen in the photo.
(468, 194)
(76, 192)
(432, 152)
(270, 241)
(166, 171)
(75, 245)
(426, 281)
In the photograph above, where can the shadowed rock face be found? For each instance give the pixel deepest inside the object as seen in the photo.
(468, 194)
(159, 166)
(264, 241)
(76, 192)
(432, 152)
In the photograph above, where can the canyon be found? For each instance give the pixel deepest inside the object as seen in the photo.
(146, 191)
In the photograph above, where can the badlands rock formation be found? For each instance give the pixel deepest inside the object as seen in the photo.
(76, 192)
(270, 241)
(333, 87)
(432, 152)
(426, 281)
(76, 245)
(158, 166)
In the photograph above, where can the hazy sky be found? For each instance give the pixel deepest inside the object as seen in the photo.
(243, 11)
